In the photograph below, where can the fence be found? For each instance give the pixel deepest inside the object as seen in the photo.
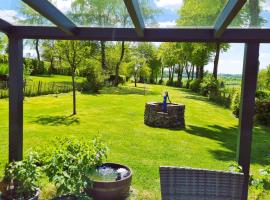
(33, 88)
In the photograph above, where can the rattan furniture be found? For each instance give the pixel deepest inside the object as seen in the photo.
(178, 183)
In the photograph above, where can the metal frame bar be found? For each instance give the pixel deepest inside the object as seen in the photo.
(15, 98)
(249, 80)
(48, 10)
(227, 15)
(136, 16)
(5, 26)
(150, 34)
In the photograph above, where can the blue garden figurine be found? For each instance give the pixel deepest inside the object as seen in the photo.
(164, 104)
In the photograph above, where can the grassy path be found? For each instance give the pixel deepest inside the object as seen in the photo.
(209, 140)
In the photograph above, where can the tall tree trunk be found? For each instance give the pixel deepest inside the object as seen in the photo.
(51, 66)
(188, 76)
(37, 50)
(197, 72)
(201, 72)
(162, 73)
(172, 74)
(169, 73)
(116, 81)
(135, 81)
(103, 55)
(192, 73)
(74, 92)
(254, 13)
(215, 70)
(180, 75)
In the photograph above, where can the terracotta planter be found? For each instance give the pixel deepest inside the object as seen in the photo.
(114, 190)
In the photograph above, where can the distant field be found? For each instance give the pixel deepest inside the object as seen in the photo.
(55, 78)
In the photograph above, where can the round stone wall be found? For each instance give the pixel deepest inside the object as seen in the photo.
(173, 118)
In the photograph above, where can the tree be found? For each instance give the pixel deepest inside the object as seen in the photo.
(264, 79)
(167, 53)
(204, 13)
(32, 17)
(49, 53)
(200, 57)
(104, 14)
(148, 51)
(74, 53)
(137, 66)
(3, 42)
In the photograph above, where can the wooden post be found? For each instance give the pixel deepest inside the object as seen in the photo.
(15, 98)
(249, 80)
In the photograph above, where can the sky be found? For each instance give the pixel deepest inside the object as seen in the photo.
(231, 62)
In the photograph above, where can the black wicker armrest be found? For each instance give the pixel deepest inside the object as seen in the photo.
(178, 183)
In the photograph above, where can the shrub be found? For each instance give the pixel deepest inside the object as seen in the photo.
(262, 111)
(195, 85)
(69, 163)
(209, 85)
(169, 83)
(262, 94)
(21, 178)
(94, 81)
(3, 69)
(4, 58)
(178, 83)
(236, 104)
(34, 66)
(121, 79)
(161, 81)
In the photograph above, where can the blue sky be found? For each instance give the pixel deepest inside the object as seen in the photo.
(231, 62)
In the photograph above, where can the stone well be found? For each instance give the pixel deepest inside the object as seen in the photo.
(173, 118)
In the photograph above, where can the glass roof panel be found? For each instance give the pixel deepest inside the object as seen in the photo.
(18, 13)
(95, 13)
(255, 14)
(174, 14)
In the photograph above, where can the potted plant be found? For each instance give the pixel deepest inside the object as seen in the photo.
(70, 162)
(111, 181)
(21, 179)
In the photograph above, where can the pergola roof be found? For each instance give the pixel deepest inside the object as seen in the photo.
(67, 29)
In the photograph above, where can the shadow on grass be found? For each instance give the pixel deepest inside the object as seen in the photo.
(228, 137)
(123, 90)
(57, 120)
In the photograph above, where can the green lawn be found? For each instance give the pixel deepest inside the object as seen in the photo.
(209, 140)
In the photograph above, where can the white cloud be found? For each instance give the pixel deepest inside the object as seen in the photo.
(266, 6)
(63, 5)
(167, 24)
(170, 4)
(9, 15)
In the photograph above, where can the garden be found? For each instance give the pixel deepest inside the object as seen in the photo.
(116, 116)
(85, 133)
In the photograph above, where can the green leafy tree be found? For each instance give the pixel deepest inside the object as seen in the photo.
(167, 54)
(3, 42)
(74, 53)
(105, 14)
(138, 67)
(31, 17)
(264, 79)
(49, 53)
(203, 13)
(200, 57)
(148, 51)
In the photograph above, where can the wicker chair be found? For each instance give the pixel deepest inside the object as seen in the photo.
(194, 184)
